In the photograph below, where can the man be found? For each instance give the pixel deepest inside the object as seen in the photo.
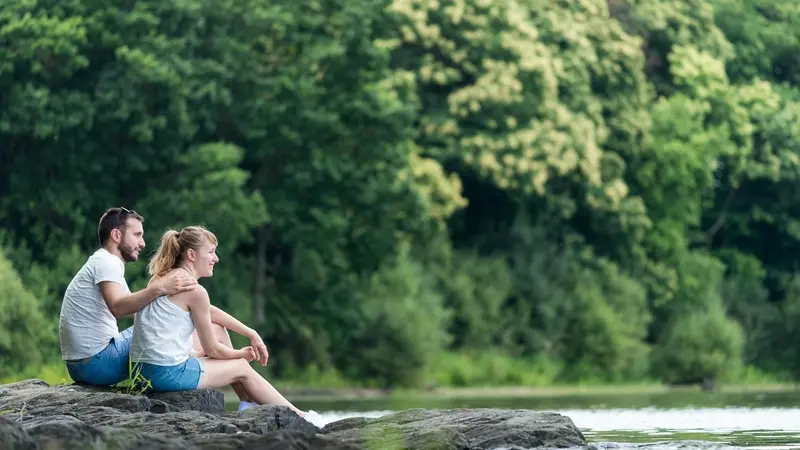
(95, 351)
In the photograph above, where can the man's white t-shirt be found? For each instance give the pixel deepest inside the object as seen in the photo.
(86, 325)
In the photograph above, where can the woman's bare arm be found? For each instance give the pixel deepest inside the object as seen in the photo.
(226, 320)
(199, 306)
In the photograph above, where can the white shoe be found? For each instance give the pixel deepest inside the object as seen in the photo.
(314, 418)
(246, 405)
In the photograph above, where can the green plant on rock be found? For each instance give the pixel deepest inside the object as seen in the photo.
(136, 383)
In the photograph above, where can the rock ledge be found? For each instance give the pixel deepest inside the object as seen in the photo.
(35, 415)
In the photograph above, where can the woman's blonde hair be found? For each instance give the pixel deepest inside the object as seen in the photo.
(173, 247)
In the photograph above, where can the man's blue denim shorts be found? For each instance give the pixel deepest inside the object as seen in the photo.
(108, 367)
(180, 377)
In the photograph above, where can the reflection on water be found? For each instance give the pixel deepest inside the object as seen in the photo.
(671, 420)
(580, 401)
(735, 426)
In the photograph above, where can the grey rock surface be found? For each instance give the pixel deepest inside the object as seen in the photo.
(37, 416)
(473, 429)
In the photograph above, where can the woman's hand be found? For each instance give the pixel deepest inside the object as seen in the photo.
(247, 353)
(262, 355)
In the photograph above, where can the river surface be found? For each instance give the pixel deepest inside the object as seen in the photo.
(667, 420)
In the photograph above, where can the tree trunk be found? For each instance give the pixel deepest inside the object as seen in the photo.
(259, 297)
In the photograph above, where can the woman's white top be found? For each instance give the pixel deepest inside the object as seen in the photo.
(162, 334)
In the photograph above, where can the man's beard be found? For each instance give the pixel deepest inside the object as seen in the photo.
(127, 253)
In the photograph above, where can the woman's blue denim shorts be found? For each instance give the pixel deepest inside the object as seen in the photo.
(180, 377)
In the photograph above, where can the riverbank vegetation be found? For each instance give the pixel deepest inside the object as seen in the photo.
(423, 192)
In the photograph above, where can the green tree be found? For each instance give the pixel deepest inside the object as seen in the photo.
(23, 328)
(764, 36)
(403, 327)
(327, 133)
(700, 347)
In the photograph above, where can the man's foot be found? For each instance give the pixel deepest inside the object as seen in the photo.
(314, 418)
(245, 405)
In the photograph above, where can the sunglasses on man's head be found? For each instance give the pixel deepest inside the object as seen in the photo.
(125, 210)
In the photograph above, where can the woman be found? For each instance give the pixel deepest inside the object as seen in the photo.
(165, 330)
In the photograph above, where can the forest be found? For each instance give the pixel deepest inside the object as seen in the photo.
(422, 192)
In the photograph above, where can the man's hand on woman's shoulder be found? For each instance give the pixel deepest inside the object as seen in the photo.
(176, 281)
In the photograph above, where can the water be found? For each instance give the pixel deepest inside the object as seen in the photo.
(667, 420)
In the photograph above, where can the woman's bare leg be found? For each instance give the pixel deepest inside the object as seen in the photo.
(222, 372)
(223, 337)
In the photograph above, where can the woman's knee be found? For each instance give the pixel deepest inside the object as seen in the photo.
(242, 368)
(226, 371)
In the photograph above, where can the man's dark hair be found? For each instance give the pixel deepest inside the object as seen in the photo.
(115, 218)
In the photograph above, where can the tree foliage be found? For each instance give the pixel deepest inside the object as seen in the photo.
(604, 187)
